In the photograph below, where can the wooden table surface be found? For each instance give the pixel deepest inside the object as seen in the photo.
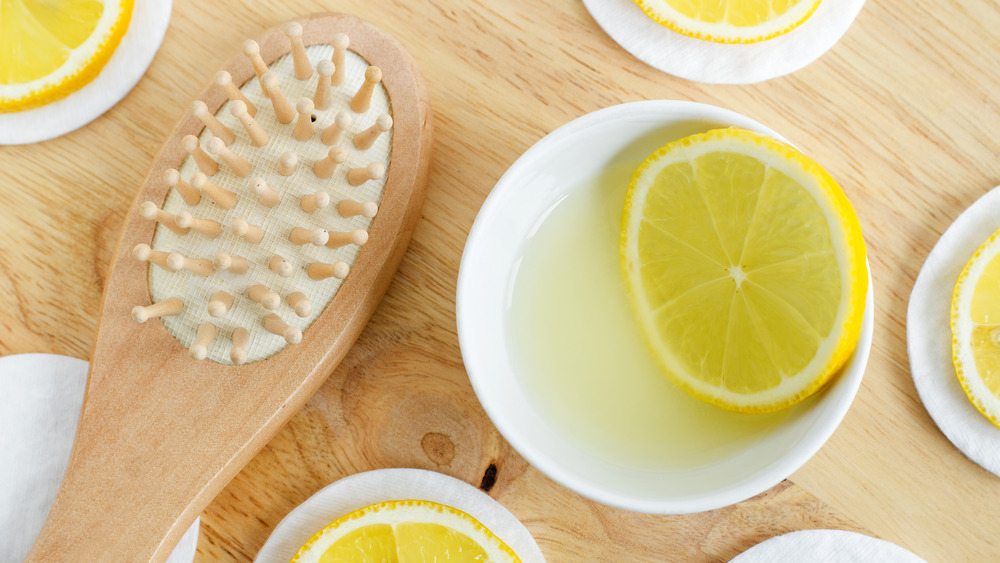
(901, 112)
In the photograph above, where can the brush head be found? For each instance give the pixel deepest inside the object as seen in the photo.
(280, 220)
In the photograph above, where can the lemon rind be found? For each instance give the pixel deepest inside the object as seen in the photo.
(833, 354)
(97, 50)
(665, 15)
(961, 330)
(400, 511)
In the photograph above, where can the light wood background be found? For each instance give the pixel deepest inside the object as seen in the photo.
(901, 112)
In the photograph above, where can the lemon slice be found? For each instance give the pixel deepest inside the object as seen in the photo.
(975, 328)
(51, 48)
(745, 266)
(730, 21)
(405, 531)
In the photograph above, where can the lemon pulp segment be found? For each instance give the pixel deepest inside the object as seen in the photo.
(51, 48)
(745, 267)
(975, 325)
(405, 531)
(730, 21)
(375, 543)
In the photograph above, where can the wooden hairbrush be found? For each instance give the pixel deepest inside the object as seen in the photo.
(260, 243)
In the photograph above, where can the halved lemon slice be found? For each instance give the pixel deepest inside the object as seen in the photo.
(405, 531)
(975, 328)
(745, 266)
(51, 48)
(730, 21)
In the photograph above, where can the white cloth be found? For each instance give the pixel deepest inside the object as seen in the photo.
(40, 399)
(123, 71)
(719, 63)
(363, 489)
(826, 546)
(928, 334)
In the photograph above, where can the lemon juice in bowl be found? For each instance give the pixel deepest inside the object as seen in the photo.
(563, 363)
(583, 358)
(580, 356)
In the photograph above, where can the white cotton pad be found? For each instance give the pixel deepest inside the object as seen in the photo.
(720, 63)
(123, 71)
(364, 489)
(826, 546)
(928, 335)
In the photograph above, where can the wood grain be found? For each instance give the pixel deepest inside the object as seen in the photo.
(901, 112)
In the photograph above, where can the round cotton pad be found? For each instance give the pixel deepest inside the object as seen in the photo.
(363, 489)
(720, 63)
(826, 546)
(129, 62)
(928, 335)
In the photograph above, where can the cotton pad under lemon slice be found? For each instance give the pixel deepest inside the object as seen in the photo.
(745, 267)
(405, 531)
(730, 21)
(975, 328)
(51, 48)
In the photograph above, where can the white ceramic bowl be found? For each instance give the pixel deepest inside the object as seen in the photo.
(558, 163)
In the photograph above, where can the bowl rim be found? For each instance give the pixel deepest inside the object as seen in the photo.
(837, 397)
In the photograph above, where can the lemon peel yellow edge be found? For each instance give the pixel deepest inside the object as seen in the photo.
(675, 26)
(963, 279)
(391, 504)
(858, 271)
(85, 74)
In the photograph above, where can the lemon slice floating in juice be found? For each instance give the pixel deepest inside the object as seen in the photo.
(730, 21)
(51, 48)
(405, 531)
(745, 267)
(975, 328)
